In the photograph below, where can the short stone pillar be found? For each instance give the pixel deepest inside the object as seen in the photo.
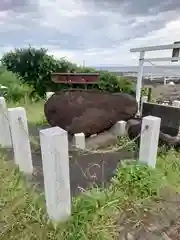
(5, 134)
(119, 129)
(143, 99)
(79, 140)
(55, 160)
(48, 95)
(20, 139)
(149, 140)
(176, 103)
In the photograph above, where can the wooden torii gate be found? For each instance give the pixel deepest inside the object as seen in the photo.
(174, 58)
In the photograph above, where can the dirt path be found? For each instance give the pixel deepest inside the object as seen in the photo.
(158, 220)
(85, 169)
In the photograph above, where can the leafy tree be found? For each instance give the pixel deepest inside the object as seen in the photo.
(35, 66)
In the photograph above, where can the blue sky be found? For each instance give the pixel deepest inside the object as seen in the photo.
(98, 33)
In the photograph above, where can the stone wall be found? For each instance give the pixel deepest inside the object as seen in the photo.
(170, 116)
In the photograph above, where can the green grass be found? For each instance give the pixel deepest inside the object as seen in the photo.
(95, 213)
(34, 110)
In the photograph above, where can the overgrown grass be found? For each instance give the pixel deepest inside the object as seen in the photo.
(95, 213)
(34, 110)
(16, 89)
(19, 94)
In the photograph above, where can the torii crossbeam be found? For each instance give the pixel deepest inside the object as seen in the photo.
(175, 57)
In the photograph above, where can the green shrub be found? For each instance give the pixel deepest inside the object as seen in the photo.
(17, 93)
(138, 180)
(15, 89)
(144, 91)
(112, 83)
(34, 66)
(7, 78)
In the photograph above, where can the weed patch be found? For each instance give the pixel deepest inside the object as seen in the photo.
(97, 214)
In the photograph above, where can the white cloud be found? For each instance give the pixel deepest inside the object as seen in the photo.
(99, 37)
(121, 55)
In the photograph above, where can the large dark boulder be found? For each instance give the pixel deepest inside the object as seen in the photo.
(89, 112)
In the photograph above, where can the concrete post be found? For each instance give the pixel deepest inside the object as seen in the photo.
(79, 140)
(48, 95)
(20, 139)
(139, 80)
(143, 99)
(149, 140)
(176, 103)
(55, 159)
(5, 134)
(119, 129)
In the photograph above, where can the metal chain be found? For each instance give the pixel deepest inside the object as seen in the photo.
(33, 142)
(21, 125)
(117, 148)
(86, 150)
(129, 142)
(6, 117)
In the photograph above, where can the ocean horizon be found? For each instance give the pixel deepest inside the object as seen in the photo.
(155, 71)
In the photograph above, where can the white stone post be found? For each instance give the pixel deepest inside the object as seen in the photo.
(79, 140)
(143, 99)
(55, 160)
(48, 95)
(20, 139)
(5, 135)
(149, 140)
(139, 80)
(176, 103)
(119, 129)
(165, 81)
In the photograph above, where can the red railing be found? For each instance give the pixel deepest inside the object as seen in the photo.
(75, 78)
